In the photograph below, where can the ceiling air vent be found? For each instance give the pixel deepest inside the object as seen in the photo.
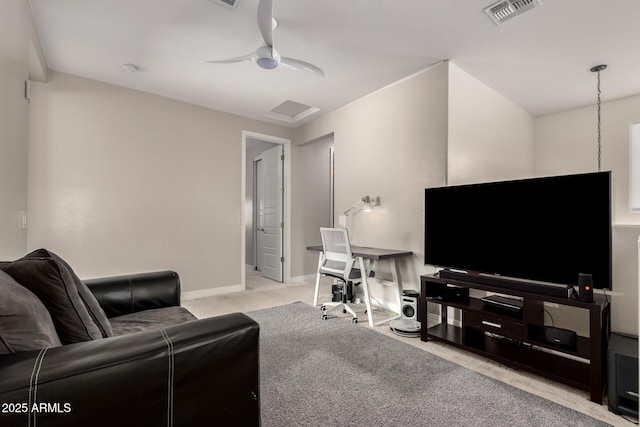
(291, 111)
(507, 9)
(229, 4)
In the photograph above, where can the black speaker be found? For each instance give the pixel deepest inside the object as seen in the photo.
(559, 336)
(585, 287)
(622, 375)
(409, 308)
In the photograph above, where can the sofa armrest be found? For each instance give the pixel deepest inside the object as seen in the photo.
(195, 373)
(119, 295)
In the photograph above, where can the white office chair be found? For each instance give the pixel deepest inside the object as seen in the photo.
(338, 261)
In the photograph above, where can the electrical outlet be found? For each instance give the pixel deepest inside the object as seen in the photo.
(22, 218)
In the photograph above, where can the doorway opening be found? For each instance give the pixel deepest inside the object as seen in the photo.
(266, 207)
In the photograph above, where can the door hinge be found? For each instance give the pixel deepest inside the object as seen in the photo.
(281, 259)
(281, 156)
(282, 225)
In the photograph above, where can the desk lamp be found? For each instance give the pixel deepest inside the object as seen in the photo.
(363, 204)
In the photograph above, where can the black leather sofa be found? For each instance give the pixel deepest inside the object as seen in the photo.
(151, 372)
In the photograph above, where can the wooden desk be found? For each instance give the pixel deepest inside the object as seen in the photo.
(371, 255)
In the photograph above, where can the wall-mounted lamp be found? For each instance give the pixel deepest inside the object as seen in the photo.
(362, 204)
(365, 204)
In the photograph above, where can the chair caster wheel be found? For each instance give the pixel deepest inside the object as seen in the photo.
(354, 320)
(324, 317)
(344, 311)
(323, 308)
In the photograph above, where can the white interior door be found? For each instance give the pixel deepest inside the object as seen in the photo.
(272, 222)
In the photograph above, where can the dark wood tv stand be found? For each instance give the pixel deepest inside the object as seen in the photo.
(515, 339)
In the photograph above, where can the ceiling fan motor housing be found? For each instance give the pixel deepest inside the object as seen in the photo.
(267, 57)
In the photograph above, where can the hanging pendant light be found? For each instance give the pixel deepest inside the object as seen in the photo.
(597, 69)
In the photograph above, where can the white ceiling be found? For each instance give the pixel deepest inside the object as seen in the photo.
(540, 60)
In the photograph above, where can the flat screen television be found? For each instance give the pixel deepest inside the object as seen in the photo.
(546, 229)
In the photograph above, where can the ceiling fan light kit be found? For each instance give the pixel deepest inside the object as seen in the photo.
(267, 63)
(266, 56)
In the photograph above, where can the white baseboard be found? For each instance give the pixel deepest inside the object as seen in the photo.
(306, 278)
(203, 293)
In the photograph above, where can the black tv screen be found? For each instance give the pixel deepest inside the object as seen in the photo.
(544, 229)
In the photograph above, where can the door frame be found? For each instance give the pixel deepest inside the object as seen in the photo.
(286, 212)
(255, 215)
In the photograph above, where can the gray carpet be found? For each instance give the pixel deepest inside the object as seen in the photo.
(335, 373)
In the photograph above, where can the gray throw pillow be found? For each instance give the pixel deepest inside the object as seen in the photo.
(25, 323)
(90, 302)
(52, 283)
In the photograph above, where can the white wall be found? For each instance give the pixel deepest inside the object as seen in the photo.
(442, 124)
(311, 194)
(390, 144)
(567, 143)
(490, 138)
(123, 181)
(17, 48)
(624, 300)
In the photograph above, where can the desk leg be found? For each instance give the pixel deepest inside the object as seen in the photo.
(365, 287)
(396, 290)
(317, 292)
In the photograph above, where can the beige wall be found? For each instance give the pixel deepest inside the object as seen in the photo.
(441, 124)
(390, 144)
(312, 204)
(490, 138)
(567, 143)
(122, 181)
(16, 48)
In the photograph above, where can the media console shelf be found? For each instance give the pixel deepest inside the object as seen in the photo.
(515, 339)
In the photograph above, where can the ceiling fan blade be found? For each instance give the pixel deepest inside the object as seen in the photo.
(296, 64)
(265, 21)
(247, 57)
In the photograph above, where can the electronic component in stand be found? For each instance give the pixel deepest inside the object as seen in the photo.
(559, 336)
(447, 292)
(502, 338)
(501, 303)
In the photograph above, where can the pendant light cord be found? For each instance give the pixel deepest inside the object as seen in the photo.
(599, 128)
(597, 69)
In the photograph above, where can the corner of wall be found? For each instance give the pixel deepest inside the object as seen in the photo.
(490, 138)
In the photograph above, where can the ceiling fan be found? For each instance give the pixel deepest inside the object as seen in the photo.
(267, 56)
